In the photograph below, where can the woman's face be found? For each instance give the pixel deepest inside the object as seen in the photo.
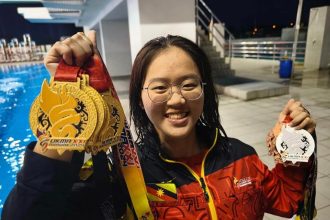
(175, 118)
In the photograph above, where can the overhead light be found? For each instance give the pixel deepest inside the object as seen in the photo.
(67, 2)
(34, 12)
(61, 12)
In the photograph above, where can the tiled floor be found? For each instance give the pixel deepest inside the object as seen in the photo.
(251, 120)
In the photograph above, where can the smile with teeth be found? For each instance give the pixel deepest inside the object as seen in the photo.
(177, 116)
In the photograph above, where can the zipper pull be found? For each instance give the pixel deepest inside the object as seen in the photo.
(206, 195)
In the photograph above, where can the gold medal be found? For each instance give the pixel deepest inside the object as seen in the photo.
(94, 141)
(116, 122)
(63, 117)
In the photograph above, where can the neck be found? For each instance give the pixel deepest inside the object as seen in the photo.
(183, 147)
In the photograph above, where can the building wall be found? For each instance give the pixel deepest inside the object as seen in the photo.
(160, 18)
(318, 39)
(116, 50)
(130, 24)
(151, 31)
(134, 27)
(325, 54)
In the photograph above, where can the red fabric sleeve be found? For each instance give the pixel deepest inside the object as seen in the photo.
(283, 187)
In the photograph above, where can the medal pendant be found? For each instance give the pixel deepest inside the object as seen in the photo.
(294, 145)
(116, 122)
(63, 117)
(100, 106)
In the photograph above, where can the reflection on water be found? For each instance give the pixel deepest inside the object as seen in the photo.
(19, 85)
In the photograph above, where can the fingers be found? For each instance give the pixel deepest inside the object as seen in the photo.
(82, 40)
(74, 50)
(287, 107)
(301, 118)
(55, 54)
(298, 116)
(81, 49)
(286, 110)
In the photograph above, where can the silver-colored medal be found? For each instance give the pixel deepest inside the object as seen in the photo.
(294, 145)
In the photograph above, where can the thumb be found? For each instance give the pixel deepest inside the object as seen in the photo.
(287, 107)
(286, 110)
(92, 37)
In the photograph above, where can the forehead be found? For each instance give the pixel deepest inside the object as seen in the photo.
(172, 64)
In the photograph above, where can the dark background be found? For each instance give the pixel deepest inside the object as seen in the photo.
(13, 25)
(240, 17)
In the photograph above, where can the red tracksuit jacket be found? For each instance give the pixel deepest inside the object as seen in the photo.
(231, 185)
(236, 185)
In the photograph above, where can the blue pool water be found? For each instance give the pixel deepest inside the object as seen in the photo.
(19, 85)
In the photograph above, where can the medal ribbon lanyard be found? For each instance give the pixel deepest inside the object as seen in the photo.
(100, 80)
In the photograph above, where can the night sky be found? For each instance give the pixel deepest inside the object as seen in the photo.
(240, 17)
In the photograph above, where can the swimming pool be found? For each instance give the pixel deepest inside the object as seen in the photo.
(19, 85)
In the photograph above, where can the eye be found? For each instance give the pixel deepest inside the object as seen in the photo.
(189, 84)
(158, 87)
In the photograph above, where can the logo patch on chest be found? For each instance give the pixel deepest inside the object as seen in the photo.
(242, 182)
(161, 192)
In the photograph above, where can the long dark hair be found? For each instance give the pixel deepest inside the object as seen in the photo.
(146, 133)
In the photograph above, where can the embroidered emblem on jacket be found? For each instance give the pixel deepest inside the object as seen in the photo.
(161, 192)
(242, 182)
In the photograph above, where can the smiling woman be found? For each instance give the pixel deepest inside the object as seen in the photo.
(191, 169)
(174, 120)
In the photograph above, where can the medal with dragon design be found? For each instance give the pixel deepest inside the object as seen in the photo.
(63, 117)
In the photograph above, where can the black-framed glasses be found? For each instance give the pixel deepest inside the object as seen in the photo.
(160, 91)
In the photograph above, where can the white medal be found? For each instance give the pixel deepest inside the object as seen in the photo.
(294, 145)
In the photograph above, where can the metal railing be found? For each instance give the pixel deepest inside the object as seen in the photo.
(268, 50)
(217, 33)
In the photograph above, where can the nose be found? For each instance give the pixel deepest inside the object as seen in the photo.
(176, 97)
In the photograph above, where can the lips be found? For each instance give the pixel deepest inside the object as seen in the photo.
(176, 116)
(177, 119)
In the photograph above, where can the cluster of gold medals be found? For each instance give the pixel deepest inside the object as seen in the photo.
(74, 116)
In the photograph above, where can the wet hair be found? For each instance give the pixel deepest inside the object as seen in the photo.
(146, 133)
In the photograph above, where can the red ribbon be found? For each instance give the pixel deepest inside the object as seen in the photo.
(287, 119)
(99, 77)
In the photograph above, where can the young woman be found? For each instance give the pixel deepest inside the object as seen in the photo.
(192, 170)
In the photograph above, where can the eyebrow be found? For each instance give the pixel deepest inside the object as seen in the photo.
(186, 76)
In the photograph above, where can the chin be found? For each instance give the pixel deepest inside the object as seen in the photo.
(177, 133)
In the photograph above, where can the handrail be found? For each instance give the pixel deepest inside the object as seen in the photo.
(216, 18)
(218, 35)
(270, 50)
(209, 20)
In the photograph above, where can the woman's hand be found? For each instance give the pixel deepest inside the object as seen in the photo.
(75, 50)
(301, 119)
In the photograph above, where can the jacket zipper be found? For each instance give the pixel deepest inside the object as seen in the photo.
(203, 185)
(201, 179)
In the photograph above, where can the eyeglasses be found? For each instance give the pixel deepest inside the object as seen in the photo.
(160, 91)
